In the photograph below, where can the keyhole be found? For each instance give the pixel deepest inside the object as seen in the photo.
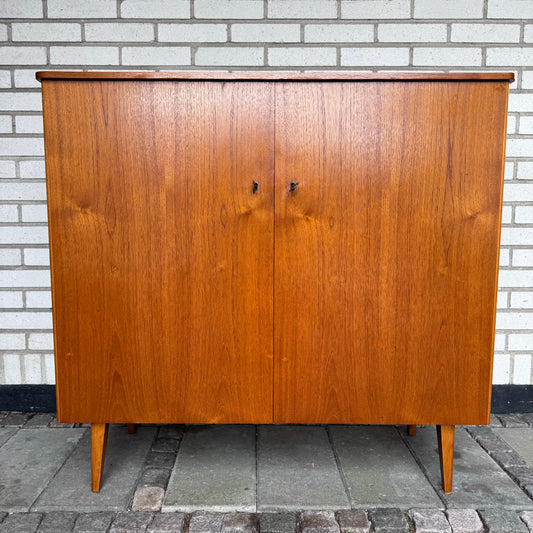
(293, 186)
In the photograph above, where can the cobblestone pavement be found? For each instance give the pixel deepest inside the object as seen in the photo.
(137, 507)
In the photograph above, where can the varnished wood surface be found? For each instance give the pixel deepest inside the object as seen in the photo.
(445, 439)
(275, 75)
(386, 253)
(161, 253)
(411, 430)
(99, 434)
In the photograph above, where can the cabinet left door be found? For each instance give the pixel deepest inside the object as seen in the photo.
(161, 249)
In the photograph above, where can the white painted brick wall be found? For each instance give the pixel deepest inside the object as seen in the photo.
(10, 257)
(196, 33)
(29, 124)
(225, 56)
(162, 55)
(485, 33)
(450, 57)
(38, 299)
(15, 9)
(410, 33)
(67, 9)
(12, 341)
(375, 9)
(509, 9)
(448, 9)
(268, 33)
(247, 34)
(229, 9)
(22, 55)
(369, 57)
(74, 55)
(51, 31)
(302, 56)
(302, 9)
(123, 31)
(339, 33)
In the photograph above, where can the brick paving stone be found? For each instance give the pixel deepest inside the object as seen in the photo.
(128, 521)
(39, 420)
(167, 522)
(529, 490)
(155, 477)
(15, 419)
(165, 445)
(488, 440)
(513, 421)
(160, 459)
(240, 522)
(353, 521)
(508, 458)
(21, 523)
(93, 522)
(527, 517)
(277, 523)
(528, 417)
(171, 431)
(523, 475)
(465, 521)
(495, 421)
(205, 522)
(148, 499)
(389, 520)
(55, 424)
(429, 521)
(319, 522)
(58, 521)
(498, 520)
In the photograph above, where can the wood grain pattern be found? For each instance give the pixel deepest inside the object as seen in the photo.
(161, 253)
(99, 434)
(262, 75)
(445, 439)
(386, 254)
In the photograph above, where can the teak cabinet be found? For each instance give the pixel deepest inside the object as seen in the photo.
(274, 248)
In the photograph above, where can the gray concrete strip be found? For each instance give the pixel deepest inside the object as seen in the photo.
(214, 471)
(6, 434)
(70, 490)
(478, 482)
(520, 439)
(296, 470)
(29, 460)
(379, 469)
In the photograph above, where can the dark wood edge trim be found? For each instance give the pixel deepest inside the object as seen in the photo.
(42, 398)
(267, 76)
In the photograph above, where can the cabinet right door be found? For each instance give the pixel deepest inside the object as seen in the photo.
(386, 250)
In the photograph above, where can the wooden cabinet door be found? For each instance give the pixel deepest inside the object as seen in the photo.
(161, 250)
(386, 251)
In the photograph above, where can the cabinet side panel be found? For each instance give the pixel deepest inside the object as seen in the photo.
(386, 252)
(162, 253)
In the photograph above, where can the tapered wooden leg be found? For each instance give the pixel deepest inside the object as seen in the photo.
(411, 430)
(445, 437)
(98, 445)
(131, 429)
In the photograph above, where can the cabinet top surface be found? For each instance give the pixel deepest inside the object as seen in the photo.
(273, 76)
